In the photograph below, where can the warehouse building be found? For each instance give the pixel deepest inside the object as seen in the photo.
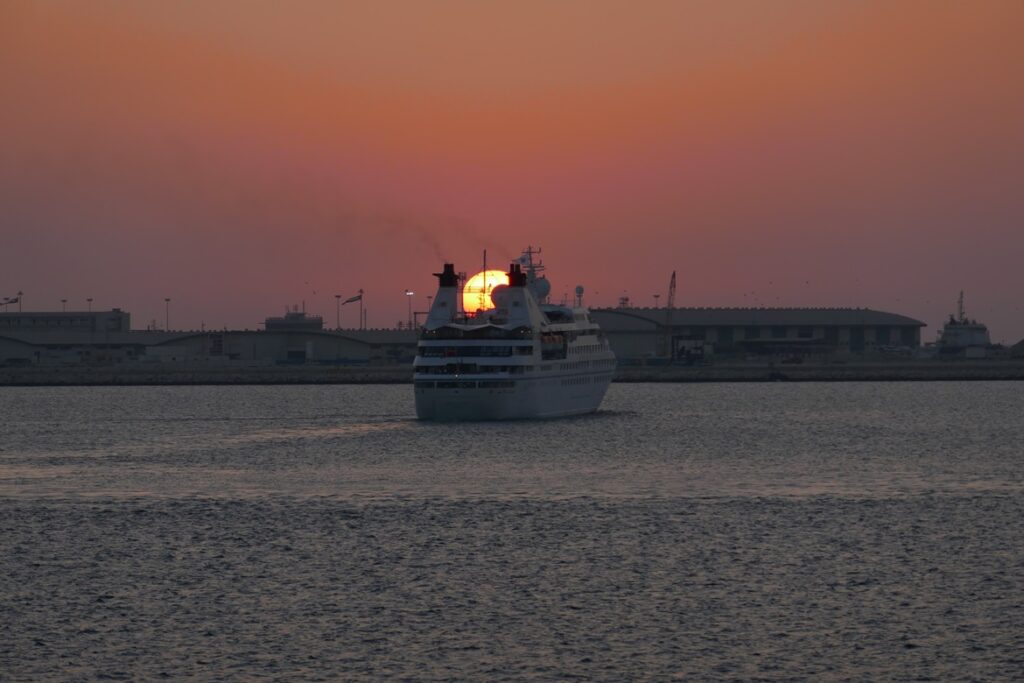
(637, 333)
(104, 338)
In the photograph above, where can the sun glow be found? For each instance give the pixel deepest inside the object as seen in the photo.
(476, 295)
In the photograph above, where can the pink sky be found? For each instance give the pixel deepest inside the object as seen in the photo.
(241, 156)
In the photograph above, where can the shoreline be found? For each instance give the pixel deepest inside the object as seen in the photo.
(920, 371)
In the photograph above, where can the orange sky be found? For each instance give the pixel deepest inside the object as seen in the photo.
(241, 156)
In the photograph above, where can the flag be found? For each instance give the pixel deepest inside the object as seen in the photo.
(357, 297)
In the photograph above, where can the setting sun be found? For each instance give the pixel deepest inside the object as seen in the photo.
(476, 295)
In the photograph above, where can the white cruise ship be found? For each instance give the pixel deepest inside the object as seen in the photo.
(497, 350)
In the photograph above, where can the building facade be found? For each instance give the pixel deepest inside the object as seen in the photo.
(104, 338)
(114, 320)
(637, 333)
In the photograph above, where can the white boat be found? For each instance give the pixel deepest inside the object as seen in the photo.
(962, 335)
(516, 356)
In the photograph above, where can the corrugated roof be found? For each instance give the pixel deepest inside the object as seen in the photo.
(742, 317)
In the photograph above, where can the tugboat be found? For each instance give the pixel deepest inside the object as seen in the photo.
(498, 350)
(963, 336)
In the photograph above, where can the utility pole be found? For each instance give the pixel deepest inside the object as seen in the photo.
(669, 310)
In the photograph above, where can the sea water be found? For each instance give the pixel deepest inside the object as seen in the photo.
(854, 531)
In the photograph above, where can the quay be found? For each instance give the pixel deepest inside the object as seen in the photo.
(914, 371)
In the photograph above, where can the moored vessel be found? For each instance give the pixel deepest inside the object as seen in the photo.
(500, 351)
(962, 335)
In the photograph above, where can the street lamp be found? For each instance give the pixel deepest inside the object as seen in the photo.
(408, 295)
(89, 300)
(63, 305)
(167, 314)
(337, 307)
(656, 297)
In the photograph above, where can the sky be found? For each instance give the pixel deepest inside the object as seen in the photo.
(240, 157)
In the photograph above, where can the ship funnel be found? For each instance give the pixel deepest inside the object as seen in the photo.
(445, 306)
(516, 276)
(447, 277)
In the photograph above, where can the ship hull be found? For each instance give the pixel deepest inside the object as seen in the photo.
(543, 397)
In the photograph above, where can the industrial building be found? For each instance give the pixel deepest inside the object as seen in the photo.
(679, 333)
(636, 334)
(105, 337)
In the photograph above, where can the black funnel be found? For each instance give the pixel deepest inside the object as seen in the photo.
(448, 278)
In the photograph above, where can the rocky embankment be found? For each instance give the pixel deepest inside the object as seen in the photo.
(315, 374)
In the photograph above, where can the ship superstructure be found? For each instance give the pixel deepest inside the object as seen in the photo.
(960, 333)
(521, 357)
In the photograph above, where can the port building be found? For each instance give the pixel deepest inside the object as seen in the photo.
(636, 334)
(681, 332)
(105, 338)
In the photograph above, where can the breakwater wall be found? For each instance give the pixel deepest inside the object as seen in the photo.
(910, 371)
(173, 374)
(314, 374)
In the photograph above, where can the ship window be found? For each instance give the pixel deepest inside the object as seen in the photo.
(496, 384)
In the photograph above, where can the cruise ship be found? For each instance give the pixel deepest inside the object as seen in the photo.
(499, 351)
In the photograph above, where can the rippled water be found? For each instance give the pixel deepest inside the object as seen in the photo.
(701, 532)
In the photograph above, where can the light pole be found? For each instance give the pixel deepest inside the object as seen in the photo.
(362, 318)
(63, 305)
(167, 314)
(656, 297)
(337, 314)
(21, 295)
(89, 300)
(408, 296)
